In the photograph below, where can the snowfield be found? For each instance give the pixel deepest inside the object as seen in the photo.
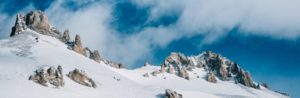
(21, 55)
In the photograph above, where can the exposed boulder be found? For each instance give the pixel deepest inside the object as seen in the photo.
(211, 77)
(77, 47)
(81, 78)
(172, 94)
(52, 76)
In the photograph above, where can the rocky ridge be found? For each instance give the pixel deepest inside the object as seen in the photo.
(216, 66)
(38, 21)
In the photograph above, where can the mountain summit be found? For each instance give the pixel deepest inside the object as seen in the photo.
(38, 61)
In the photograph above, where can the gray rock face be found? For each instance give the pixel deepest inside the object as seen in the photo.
(172, 94)
(176, 63)
(81, 78)
(52, 76)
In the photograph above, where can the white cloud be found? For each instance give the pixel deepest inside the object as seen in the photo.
(275, 18)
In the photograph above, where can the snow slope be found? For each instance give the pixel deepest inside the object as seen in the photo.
(21, 55)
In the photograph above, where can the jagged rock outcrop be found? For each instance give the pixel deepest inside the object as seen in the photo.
(95, 56)
(172, 94)
(214, 64)
(19, 25)
(211, 77)
(66, 36)
(52, 75)
(81, 78)
(77, 46)
(37, 21)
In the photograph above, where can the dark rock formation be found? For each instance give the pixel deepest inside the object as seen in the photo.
(51, 75)
(81, 78)
(172, 94)
(211, 77)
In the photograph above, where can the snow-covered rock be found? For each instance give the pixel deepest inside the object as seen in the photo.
(81, 78)
(51, 75)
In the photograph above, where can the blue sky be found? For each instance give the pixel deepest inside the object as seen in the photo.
(263, 38)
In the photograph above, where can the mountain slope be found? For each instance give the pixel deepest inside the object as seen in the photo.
(21, 55)
(32, 48)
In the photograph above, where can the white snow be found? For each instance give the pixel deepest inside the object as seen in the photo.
(21, 55)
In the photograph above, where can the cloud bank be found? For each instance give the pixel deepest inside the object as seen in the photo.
(212, 19)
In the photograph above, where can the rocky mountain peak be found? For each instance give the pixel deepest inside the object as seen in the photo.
(19, 25)
(38, 22)
(214, 64)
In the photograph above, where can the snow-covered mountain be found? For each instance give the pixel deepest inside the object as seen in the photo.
(38, 61)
